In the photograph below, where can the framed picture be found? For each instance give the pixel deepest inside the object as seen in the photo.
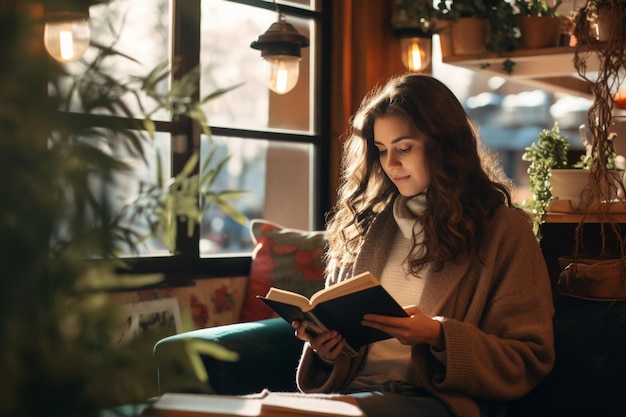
(156, 317)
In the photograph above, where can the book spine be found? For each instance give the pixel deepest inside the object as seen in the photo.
(315, 327)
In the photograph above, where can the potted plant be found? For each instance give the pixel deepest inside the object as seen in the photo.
(477, 27)
(603, 84)
(612, 64)
(547, 153)
(551, 176)
(539, 23)
(608, 46)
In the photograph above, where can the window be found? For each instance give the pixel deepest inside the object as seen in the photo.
(510, 114)
(275, 143)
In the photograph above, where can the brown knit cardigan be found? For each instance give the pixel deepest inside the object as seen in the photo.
(498, 328)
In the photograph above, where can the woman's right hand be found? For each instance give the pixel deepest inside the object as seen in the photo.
(327, 345)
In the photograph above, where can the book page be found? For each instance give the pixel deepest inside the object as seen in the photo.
(261, 404)
(180, 404)
(356, 283)
(308, 405)
(289, 297)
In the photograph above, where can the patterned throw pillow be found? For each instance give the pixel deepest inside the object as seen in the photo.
(290, 259)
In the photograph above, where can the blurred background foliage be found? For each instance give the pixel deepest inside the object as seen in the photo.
(58, 356)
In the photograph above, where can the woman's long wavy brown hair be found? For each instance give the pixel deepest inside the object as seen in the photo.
(466, 185)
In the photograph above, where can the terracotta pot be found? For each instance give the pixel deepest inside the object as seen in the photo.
(469, 36)
(539, 31)
(443, 28)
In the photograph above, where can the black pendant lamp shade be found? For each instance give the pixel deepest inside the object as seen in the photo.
(281, 39)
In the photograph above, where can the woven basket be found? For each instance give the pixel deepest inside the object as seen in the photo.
(593, 279)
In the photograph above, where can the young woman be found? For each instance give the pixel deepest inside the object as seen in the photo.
(421, 206)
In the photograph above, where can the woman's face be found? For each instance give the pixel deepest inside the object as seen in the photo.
(401, 148)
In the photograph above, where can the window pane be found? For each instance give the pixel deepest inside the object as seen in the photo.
(137, 28)
(277, 179)
(510, 115)
(116, 195)
(227, 30)
(307, 4)
(127, 185)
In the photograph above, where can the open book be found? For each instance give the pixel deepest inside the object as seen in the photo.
(340, 307)
(263, 404)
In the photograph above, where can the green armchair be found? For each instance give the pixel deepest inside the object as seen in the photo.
(268, 356)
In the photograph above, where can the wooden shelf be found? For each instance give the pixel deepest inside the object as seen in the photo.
(519, 53)
(547, 68)
(589, 218)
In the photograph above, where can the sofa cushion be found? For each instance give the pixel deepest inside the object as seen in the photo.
(290, 259)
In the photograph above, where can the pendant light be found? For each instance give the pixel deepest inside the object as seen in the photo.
(66, 33)
(412, 23)
(416, 49)
(280, 48)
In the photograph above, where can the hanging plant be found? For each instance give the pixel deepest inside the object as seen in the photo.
(608, 47)
(604, 85)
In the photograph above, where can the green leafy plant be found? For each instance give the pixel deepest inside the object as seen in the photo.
(547, 153)
(415, 14)
(189, 194)
(456, 9)
(538, 8)
(503, 29)
(58, 355)
(163, 204)
(185, 197)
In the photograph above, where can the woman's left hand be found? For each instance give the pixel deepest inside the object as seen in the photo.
(416, 329)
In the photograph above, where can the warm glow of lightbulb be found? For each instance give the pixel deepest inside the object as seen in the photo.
(415, 60)
(282, 76)
(281, 72)
(67, 37)
(416, 53)
(66, 43)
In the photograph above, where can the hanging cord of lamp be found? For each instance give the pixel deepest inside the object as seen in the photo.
(280, 48)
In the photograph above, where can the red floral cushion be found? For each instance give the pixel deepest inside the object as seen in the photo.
(290, 259)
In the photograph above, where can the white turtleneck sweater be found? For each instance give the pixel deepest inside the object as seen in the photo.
(389, 360)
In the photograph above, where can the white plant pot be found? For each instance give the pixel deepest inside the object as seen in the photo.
(568, 184)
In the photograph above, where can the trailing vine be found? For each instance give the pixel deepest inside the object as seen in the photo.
(547, 153)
